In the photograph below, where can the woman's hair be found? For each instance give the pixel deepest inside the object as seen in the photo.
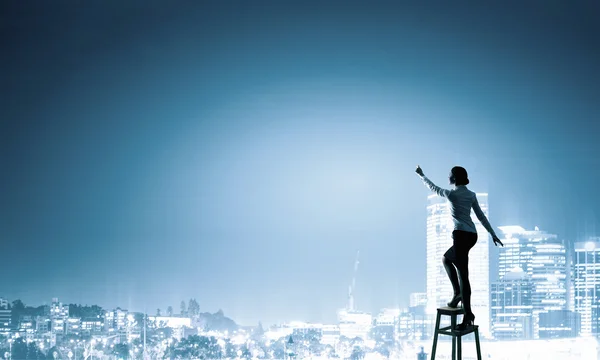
(459, 176)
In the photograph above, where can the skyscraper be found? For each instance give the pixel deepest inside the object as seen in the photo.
(439, 239)
(512, 315)
(542, 258)
(587, 285)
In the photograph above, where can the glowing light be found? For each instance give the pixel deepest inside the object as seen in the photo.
(590, 246)
(515, 229)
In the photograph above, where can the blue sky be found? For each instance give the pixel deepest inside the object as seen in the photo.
(240, 153)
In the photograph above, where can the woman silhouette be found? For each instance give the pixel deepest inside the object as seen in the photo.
(464, 236)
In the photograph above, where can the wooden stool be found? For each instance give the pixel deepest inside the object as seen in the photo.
(456, 335)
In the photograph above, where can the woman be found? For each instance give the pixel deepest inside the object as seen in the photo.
(464, 236)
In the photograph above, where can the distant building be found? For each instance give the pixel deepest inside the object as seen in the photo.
(355, 323)
(278, 331)
(439, 239)
(171, 321)
(5, 315)
(43, 324)
(59, 314)
(303, 332)
(385, 325)
(387, 317)
(331, 335)
(91, 326)
(134, 325)
(115, 320)
(512, 308)
(26, 324)
(418, 299)
(415, 324)
(73, 326)
(586, 279)
(559, 324)
(542, 257)
(178, 324)
(307, 329)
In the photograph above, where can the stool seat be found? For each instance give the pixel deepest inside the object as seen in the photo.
(455, 333)
(451, 311)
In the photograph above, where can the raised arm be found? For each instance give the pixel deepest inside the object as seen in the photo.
(481, 216)
(433, 187)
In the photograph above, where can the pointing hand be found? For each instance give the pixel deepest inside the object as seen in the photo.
(419, 171)
(497, 241)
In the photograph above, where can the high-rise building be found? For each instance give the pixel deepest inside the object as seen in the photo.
(586, 280)
(439, 239)
(542, 258)
(512, 310)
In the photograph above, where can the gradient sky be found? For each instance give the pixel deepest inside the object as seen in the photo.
(241, 152)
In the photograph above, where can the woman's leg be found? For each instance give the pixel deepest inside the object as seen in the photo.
(462, 265)
(451, 271)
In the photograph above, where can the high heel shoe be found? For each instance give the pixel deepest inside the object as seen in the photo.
(455, 300)
(468, 320)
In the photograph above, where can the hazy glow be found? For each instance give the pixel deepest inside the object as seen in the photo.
(236, 147)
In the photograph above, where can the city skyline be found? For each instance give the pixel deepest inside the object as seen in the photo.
(528, 300)
(241, 153)
(518, 260)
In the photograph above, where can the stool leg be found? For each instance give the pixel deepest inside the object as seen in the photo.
(459, 348)
(452, 329)
(453, 347)
(477, 344)
(435, 336)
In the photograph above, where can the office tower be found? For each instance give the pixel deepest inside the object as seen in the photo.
(542, 258)
(586, 280)
(439, 239)
(512, 310)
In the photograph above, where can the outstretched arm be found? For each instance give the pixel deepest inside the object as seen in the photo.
(433, 187)
(484, 221)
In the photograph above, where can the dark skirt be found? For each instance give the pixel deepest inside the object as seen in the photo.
(463, 242)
